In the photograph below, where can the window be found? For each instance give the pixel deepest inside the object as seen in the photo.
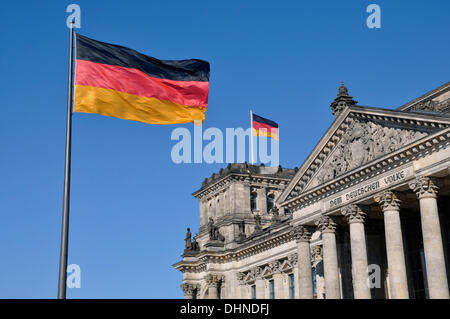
(253, 201)
(270, 202)
(291, 286)
(253, 292)
(314, 281)
(272, 289)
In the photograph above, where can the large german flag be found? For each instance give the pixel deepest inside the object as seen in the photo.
(117, 81)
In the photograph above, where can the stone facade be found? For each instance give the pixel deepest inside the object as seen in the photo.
(365, 216)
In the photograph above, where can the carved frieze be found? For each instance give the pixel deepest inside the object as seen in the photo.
(363, 142)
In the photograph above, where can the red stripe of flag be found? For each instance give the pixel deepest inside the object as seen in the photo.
(258, 125)
(133, 81)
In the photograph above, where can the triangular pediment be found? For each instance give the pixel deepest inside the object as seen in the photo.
(360, 135)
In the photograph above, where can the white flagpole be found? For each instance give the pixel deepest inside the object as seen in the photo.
(251, 137)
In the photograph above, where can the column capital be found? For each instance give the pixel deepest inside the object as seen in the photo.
(188, 289)
(326, 224)
(302, 233)
(353, 214)
(424, 187)
(388, 200)
(212, 280)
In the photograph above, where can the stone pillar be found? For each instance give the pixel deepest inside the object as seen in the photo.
(242, 198)
(355, 217)
(426, 191)
(277, 279)
(398, 283)
(331, 271)
(203, 213)
(212, 282)
(241, 292)
(302, 235)
(188, 290)
(261, 200)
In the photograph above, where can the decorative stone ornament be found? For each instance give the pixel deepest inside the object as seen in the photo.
(342, 101)
(275, 267)
(353, 214)
(388, 200)
(424, 187)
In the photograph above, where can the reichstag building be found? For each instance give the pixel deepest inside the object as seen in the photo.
(365, 216)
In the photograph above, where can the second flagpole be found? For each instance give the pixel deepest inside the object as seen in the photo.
(251, 137)
(66, 197)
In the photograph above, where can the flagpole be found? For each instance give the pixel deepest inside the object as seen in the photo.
(251, 136)
(66, 196)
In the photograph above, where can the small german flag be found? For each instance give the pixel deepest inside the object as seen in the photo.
(117, 81)
(264, 127)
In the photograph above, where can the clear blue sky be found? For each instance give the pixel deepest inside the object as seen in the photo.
(130, 204)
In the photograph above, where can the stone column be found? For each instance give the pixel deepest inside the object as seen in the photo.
(241, 287)
(355, 217)
(302, 235)
(212, 282)
(426, 191)
(188, 290)
(398, 283)
(331, 271)
(277, 279)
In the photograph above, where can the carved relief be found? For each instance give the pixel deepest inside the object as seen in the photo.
(430, 105)
(362, 143)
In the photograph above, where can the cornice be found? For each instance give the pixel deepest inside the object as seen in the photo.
(253, 246)
(254, 180)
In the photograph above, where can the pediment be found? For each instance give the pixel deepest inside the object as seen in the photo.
(358, 136)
